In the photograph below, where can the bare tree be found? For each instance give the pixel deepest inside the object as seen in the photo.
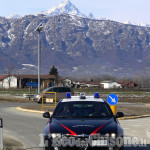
(9, 71)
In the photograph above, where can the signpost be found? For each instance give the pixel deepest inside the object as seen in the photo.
(112, 99)
(1, 133)
(31, 84)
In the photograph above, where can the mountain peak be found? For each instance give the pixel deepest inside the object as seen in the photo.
(65, 7)
(13, 16)
(66, 2)
(91, 16)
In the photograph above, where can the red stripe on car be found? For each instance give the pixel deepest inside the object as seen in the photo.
(72, 133)
(95, 131)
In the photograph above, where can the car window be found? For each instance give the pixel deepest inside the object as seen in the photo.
(54, 89)
(64, 89)
(83, 109)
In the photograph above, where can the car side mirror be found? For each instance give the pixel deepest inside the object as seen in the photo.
(119, 114)
(46, 115)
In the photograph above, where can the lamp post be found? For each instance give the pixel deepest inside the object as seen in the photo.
(38, 29)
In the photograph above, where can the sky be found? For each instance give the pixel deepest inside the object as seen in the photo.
(118, 10)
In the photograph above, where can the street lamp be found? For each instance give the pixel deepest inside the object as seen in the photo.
(38, 29)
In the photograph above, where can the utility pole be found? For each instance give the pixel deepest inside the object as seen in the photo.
(38, 29)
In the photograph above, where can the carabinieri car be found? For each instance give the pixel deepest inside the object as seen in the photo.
(84, 123)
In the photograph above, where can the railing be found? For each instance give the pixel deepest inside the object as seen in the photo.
(46, 98)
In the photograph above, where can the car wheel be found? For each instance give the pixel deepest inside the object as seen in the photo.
(40, 101)
(48, 145)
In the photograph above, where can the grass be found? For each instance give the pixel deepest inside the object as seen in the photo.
(88, 91)
(18, 91)
(124, 95)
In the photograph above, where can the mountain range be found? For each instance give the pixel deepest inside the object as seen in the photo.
(76, 44)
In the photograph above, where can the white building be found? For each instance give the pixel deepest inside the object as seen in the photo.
(8, 81)
(110, 84)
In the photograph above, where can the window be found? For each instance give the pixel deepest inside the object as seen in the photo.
(83, 109)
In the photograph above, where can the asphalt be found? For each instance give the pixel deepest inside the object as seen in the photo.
(26, 126)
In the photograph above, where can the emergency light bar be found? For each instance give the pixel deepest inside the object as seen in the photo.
(96, 95)
(68, 95)
(82, 96)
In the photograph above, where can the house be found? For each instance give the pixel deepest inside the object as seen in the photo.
(110, 84)
(87, 84)
(7, 81)
(128, 84)
(20, 81)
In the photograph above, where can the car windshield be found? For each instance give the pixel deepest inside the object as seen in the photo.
(82, 109)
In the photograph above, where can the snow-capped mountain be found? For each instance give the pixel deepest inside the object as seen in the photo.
(13, 16)
(138, 24)
(66, 7)
(91, 16)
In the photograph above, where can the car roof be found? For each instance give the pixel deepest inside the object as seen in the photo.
(88, 99)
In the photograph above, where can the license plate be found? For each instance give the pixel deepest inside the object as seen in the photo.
(48, 100)
(99, 143)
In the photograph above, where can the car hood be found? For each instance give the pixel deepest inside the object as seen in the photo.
(81, 126)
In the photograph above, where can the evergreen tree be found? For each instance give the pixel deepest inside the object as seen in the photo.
(53, 71)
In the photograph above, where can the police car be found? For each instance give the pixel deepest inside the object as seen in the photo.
(83, 122)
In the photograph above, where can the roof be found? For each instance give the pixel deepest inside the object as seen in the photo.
(77, 98)
(125, 82)
(107, 81)
(91, 83)
(35, 76)
(3, 76)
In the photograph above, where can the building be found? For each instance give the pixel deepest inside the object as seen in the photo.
(110, 84)
(128, 84)
(8, 81)
(86, 84)
(20, 81)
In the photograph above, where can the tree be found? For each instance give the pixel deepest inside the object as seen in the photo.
(9, 71)
(53, 71)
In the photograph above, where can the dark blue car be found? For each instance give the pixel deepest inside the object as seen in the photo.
(83, 122)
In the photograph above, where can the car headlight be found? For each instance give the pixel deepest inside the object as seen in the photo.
(54, 135)
(37, 96)
(113, 135)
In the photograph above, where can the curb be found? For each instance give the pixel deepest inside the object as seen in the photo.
(147, 104)
(29, 110)
(41, 112)
(134, 117)
(32, 111)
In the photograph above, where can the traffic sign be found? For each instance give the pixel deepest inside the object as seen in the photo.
(32, 84)
(112, 99)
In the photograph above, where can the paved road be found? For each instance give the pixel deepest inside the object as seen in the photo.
(27, 127)
(23, 125)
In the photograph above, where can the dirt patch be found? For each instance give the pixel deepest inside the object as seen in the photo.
(11, 144)
(126, 109)
(133, 110)
(135, 99)
(6, 99)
